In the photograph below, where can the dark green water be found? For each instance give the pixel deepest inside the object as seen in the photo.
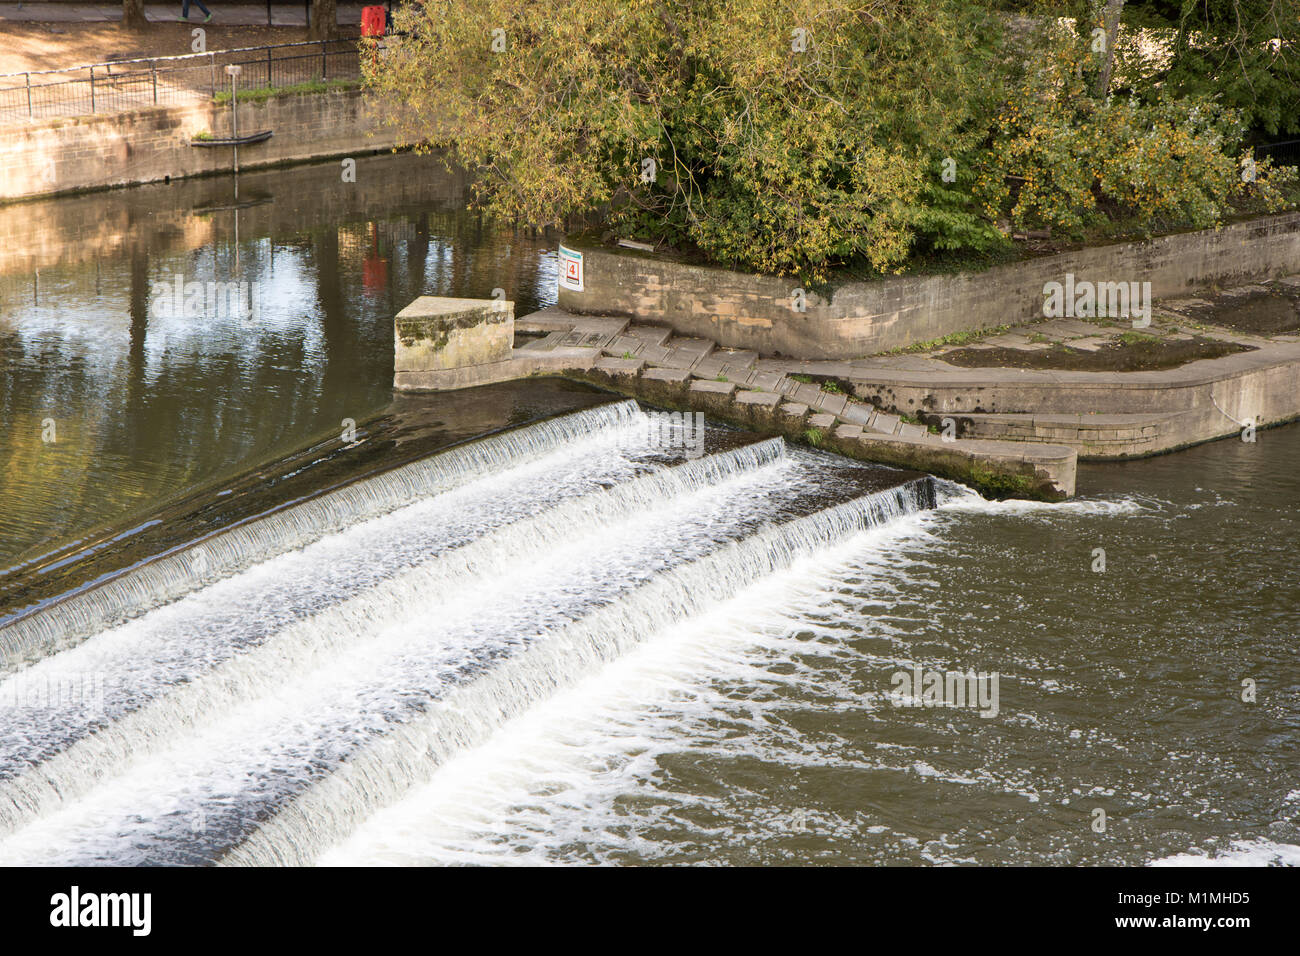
(145, 408)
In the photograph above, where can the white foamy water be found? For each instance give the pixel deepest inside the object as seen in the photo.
(1239, 853)
(261, 717)
(547, 787)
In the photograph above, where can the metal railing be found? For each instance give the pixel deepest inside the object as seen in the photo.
(1285, 153)
(122, 85)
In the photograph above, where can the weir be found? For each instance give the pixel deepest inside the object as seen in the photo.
(180, 572)
(335, 653)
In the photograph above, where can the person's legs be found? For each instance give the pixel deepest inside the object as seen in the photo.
(185, 9)
(206, 12)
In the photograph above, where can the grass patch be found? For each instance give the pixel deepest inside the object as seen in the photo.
(999, 484)
(261, 94)
(813, 436)
(1136, 338)
(956, 338)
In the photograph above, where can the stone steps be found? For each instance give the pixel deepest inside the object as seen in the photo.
(632, 349)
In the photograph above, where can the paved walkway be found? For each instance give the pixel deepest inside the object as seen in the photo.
(283, 14)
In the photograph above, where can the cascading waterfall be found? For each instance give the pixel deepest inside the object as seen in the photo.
(173, 575)
(329, 812)
(288, 729)
(90, 758)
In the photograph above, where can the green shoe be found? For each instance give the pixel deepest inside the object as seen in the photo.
(207, 18)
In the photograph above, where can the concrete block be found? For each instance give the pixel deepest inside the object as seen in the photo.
(884, 422)
(855, 413)
(435, 333)
(908, 430)
(667, 374)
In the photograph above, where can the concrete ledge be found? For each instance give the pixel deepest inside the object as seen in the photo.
(999, 469)
(518, 366)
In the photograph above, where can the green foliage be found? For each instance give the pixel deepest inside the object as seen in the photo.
(793, 153)
(1245, 53)
(1159, 165)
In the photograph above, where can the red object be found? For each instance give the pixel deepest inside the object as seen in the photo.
(374, 22)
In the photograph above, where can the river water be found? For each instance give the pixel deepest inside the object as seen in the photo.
(582, 639)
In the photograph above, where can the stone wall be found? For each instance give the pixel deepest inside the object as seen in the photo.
(745, 311)
(153, 145)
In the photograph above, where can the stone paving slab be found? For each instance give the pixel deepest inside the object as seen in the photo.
(738, 374)
(885, 422)
(761, 399)
(650, 334)
(681, 358)
(627, 343)
(808, 394)
(742, 358)
(768, 381)
(690, 344)
(855, 413)
(821, 420)
(714, 388)
(708, 367)
(832, 403)
(619, 366)
(667, 374)
(908, 430)
(848, 431)
(656, 354)
(793, 409)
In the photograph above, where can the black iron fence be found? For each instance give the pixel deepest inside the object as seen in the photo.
(121, 85)
(1285, 153)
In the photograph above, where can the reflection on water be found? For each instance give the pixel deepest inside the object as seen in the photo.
(113, 403)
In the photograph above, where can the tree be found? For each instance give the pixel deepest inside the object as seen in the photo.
(133, 17)
(324, 20)
(1111, 12)
(789, 136)
(1246, 52)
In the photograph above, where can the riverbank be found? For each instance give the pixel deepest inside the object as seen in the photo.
(1009, 412)
(85, 153)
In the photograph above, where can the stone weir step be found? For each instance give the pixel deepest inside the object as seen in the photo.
(1096, 437)
(651, 363)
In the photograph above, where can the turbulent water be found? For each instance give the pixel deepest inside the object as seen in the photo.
(765, 731)
(252, 700)
(572, 642)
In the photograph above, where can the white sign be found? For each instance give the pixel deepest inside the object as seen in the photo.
(570, 270)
